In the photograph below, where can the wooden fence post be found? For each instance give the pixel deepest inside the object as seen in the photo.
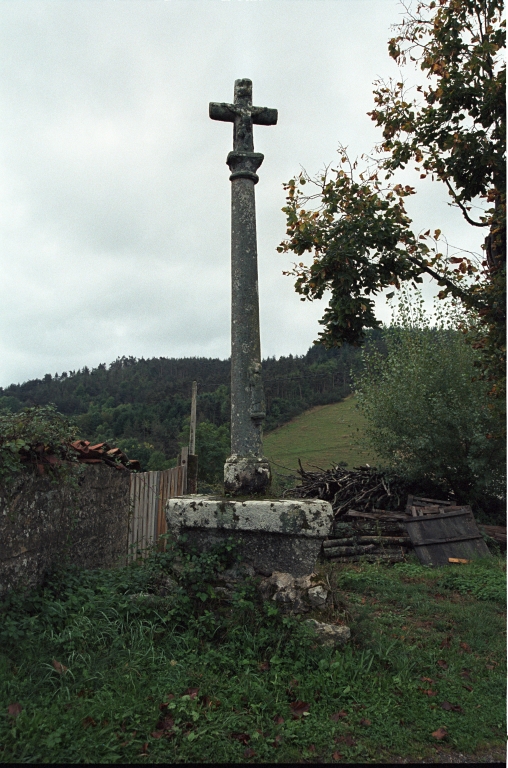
(192, 463)
(192, 436)
(184, 463)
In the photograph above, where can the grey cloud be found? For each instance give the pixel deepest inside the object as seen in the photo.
(115, 210)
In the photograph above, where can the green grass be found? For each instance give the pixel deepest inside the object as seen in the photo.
(325, 435)
(224, 675)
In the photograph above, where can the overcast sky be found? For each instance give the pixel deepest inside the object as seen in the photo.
(115, 194)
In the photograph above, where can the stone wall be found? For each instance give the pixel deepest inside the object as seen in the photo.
(45, 524)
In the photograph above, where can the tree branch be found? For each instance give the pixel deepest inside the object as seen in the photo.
(464, 295)
(462, 208)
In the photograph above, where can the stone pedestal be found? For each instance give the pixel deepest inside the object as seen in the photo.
(272, 535)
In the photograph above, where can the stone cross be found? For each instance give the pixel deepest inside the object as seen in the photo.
(247, 470)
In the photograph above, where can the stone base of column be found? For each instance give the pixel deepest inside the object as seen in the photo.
(244, 476)
(270, 534)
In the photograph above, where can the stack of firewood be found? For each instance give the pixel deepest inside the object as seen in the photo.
(371, 536)
(361, 488)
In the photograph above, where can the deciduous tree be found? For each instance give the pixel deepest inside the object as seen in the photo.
(453, 129)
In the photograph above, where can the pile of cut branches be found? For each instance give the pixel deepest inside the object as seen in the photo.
(362, 488)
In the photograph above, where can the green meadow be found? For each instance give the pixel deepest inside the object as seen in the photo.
(325, 435)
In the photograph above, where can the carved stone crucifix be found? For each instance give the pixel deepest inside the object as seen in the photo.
(246, 471)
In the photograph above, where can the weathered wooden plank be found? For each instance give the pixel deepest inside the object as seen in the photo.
(385, 539)
(163, 476)
(388, 516)
(449, 540)
(332, 552)
(135, 516)
(147, 512)
(142, 512)
(130, 537)
(152, 501)
(436, 538)
(369, 558)
(139, 521)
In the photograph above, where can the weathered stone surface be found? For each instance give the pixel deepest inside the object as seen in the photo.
(317, 597)
(241, 473)
(165, 585)
(46, 524)
(287, 591)
(329, 634)
(238, 572)
(271, 535)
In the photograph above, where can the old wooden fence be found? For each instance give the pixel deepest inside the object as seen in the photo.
(149, 492)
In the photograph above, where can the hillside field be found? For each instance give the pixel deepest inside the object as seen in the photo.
(324, 435)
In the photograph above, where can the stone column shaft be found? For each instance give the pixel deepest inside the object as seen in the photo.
(246, 413)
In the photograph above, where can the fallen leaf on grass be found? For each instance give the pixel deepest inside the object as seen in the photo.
(337, 756)
(428, 691)
(264, 666)
(278, 719)
(14, 709)
(191, 692)
(243, 738)
(427, 680)
(465, 647)
(144, 750)
(468, 688)
(489, 666)
(89, 722)
(442, 664)
(446, 642)
(466, 673)
(451, 707)
(299, 708)
(338, 715)
(441, 733)
(209, 703)
(249, 752)
(60, 668)
(165, 724)
(157, 734)
(364, 721)
(347, 740)
(277, 740)
(164, 704)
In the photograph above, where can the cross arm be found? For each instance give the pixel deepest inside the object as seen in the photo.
(224, 112)
(264, 116)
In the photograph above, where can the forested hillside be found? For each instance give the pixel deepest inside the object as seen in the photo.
(143, 406)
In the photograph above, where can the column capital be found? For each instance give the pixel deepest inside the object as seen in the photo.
(243, 165)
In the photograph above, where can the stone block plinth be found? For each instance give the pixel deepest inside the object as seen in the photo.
(272, 535)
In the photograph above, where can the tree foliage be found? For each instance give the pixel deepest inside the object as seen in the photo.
(140, 405)
(428, 417)
(36, 437)
(359, 232)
